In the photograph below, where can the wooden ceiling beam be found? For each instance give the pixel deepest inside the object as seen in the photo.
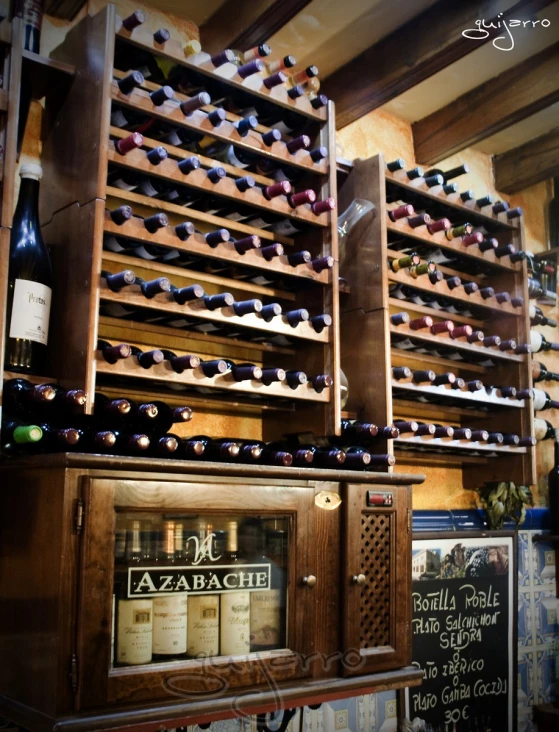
(414, 52)
(528, 164)
(244, 25)
(491, 107)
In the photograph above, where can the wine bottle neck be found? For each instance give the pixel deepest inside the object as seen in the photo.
(28, 200)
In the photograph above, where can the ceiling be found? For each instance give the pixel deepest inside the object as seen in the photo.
(330, 33)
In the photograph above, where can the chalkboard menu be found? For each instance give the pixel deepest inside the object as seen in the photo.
(463, 605)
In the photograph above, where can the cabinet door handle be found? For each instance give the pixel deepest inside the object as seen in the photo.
(309, 581)
(359, 579)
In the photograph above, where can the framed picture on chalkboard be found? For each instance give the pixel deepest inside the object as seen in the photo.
(464, 605)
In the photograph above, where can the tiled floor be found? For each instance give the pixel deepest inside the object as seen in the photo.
(538, 626)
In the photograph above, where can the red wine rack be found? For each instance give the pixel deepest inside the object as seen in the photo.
(77, 198)
(372, 345)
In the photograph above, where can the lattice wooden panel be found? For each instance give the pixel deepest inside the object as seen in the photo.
(375, 565)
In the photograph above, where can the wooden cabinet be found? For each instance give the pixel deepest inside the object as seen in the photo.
(343, 634)
(377, 582)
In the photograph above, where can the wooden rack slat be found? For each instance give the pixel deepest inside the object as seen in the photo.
(439, 241)
(399, 305)
(442, 198)
(194, 377)
(180, 154)
(437, 412)
(300, 159)
(168, 170)
(196, 244)
(475, 300)
(439, 443)
(403, 356)
(459, 344)
(117, 328)
(173, 50)
(226, 132)
(476, 397)
(187, 212)
(224, 283)
(226, 316)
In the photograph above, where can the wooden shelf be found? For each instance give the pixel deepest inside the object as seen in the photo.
(404, 356)
(33, 378)
(459, 344)
(163, 373)
(399, 305)
(459, 397)
(466, 447)
(226, 132)
(48, 75)
(188, 213)
(409, 409)
(164, 302)
(3, 100)
(442, 199)
(475, 300)
(454, 246)
(182, 273)
(173, 50)
(168, 170)
(196, 244)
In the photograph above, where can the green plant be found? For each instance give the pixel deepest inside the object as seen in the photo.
(505, 499)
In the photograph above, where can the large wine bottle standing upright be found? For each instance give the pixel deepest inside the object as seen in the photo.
(553, 483)
(29, 281)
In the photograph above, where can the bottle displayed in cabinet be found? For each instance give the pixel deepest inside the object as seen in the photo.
(29, 282)
(196, 587)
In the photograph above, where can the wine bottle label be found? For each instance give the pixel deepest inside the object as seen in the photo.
(111, 244)
(115, 310)
(31, 11)
(539, 400)
(203, 626)
(540, 429)
(134, 631)
(169, 624)
(265, 618)
(31, 311)
(235, 623)
(285, 228)
(147, 189)
(118, 119)
(536, 340)
(232, 159)
(142, 252)
(123, 185)
(259, 223)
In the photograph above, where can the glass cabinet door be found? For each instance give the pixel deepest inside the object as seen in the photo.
(189, 587)
(198, 585)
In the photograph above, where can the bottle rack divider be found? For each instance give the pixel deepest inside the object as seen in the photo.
(76, 199)
(366, 336)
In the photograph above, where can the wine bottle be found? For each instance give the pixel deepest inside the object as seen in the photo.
(29, 282)
(147, 359)
(449, 174)
(203, 626)
(131, 443)
(542, 401)
(300, 456)
(357, 458)
(540, 343)
(169, 611)
(17, 435)
(222, 450)
(134, 616)
(22, 397)
(234, 606)
(543, 430)
(537, 317)
(166, 417)
(540, 372)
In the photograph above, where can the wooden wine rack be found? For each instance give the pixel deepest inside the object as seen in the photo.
(369, 339)
(78, 152)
